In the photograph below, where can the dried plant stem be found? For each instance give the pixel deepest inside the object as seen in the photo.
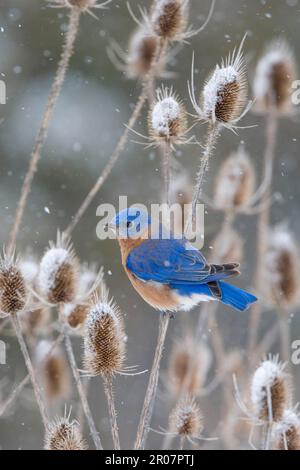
(285, 334)
(211, 140)
(263, 222)
(120, 145)
(108, 388)
(84, 401)
(148, 406)
(67, 52)
(166, 169)
(4, 323)
(181, 443)
(35, 384)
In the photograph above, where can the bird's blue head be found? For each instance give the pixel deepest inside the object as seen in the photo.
(131, 223)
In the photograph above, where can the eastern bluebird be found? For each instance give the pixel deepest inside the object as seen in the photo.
(171, 274)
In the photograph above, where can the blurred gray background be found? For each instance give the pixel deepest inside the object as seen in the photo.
(95, 103)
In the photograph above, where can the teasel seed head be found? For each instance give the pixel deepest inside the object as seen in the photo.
(167, 118)
(58, 276)
(75, 315)
(63, 434)
(270, 390)
(235, 182)
(287, 432)
(82, 5)
(13, 290)
(189, 363)
(53, 370)
(229, 248)
(186, 419)
(104, 338)
(141, 52)
(281, 268)
(275, 74)
(169, 19)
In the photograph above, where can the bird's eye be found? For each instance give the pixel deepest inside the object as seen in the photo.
(129, 224)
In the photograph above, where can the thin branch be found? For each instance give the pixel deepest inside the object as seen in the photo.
(108, 388)
(148, 406)
(67, 52)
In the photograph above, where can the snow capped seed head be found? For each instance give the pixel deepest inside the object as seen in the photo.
(188, 366)
(167, 119)
(13, 291)
(186, 419)
(142, 49)
(235, 183)
(270, 390)
(169, 18)
(58, 276)
(230, 247)
(63, 434)
(287, 432)
(104, 345)
(53, 370)
(274, 76)
(281, 268)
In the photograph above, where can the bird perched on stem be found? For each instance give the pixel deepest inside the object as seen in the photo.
(170, 274)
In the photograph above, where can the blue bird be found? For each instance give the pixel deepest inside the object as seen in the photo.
(171, 274)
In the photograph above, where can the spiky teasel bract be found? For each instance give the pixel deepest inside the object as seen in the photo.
(54, 371)
(286, 435)
(186, 419)
(223, 100)
(271, 390)
(58, 275)
(281, 268)
(275, 73)
(64, 434)
(188, 366)
(230, 247)
(13, 289)
(235, 183)
(83, 5)
(104, 337)
(167, 119)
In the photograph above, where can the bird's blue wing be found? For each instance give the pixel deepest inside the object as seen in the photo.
(171, 261)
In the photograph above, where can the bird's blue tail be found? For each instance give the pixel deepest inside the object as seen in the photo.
(235, 297)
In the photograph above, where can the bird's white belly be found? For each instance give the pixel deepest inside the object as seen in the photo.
(187, 303)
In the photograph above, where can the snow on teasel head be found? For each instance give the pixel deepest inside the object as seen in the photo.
(223, 99)
(286, 435)
(141, 52)
(270, 390)
(58, 275)
(281, 268)
(63, 434)
(274, 76)
(167, 118)
(186, 419)
(13, 290)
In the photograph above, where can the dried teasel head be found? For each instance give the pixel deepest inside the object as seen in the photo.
(286, 434)
(63, 434)
(82, 5)
(13, 290)
(75, 316)
(169, 18)
(223, 100)
(186, 419)
(235, 183)
(230, 247)
(167, 118)
(188, 366)
(58, 275)
(281, 268)
(274, 76)
(270, 390)
(141, 53)
(53, 370)
(104, 337)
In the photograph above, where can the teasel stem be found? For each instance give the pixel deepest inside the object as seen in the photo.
(36, 387)
(211, 140)
(263, 221)
(18, 389)
(181, 442)
(148, 406)
(166, 169)
(285, 334)
(81, 392)
(121, 144)
(68, 48)
(108, 388)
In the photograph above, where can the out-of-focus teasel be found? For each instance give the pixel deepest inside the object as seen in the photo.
(186, 421)
(53, 370)
(286, 433)
(64, 434)
(230, 247)
(81, 5)
(274, 76)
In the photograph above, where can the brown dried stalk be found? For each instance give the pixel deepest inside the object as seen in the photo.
(108, 388)
(148, 406)
(68, 48)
